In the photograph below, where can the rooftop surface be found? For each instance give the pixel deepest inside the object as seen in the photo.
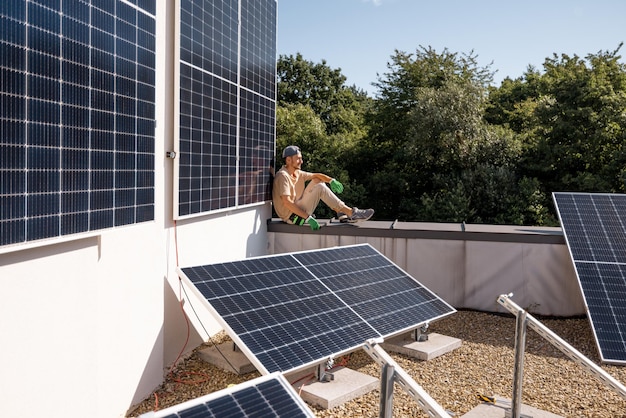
(483, 364)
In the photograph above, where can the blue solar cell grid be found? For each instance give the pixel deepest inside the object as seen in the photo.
(258, 47)
(281, 312)
(76, 117)
(227, 86)
(266, 396)
(297, 309)
(376, 289)
(595, 229)
(257, 133)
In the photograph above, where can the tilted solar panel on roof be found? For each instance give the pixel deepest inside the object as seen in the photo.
(294, 310)
(594, 225)
(375, 288)
(265, 396)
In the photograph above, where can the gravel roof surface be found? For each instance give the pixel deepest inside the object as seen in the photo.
(483, 364)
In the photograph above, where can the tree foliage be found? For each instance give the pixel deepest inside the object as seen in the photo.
(441, 143)
(573, 117)
(436, 157)
(322, 88)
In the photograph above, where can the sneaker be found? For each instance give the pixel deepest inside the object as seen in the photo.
(359, 215)
(342, 217)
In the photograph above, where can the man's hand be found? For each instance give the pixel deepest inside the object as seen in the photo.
(335, 186)
(313, 223)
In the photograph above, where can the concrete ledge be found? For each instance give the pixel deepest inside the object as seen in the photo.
(435, 346)
(230, 359)
(502, 409)
(431, 230)
(347, 385)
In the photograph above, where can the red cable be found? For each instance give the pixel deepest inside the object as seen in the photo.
(193, 382)
(180, 298)
(182, 350)
(176, 241)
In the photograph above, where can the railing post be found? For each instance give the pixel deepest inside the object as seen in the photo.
(518, 372)
(386, 391)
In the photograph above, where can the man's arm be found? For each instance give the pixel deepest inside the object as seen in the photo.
(335, 185)
(322, 177)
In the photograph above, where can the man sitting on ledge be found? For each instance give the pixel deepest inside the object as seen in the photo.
(295, 201)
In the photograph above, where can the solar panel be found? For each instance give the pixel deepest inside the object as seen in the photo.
(294, 310)
(76, 117)
(594, 226)
(265, 396)
(226, 105)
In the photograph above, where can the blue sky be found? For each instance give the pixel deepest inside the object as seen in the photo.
(359, 36)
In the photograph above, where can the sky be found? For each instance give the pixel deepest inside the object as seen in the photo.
(360, 36)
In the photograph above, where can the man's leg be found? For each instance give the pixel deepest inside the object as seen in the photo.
(316, 191)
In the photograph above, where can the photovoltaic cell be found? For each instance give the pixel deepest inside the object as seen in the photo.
(76, 117)
(256, 149)
(265, 396)
(294, 310)
(594, 225)
(227, 104)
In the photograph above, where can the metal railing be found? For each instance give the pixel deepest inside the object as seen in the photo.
(523, 318)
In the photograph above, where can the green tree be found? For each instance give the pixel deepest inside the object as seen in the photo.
(323, 89)
(297, 124)
(431, 155)
(572, 120)
(583, 123)
(513, 103)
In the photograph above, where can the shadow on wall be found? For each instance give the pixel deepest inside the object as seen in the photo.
(180, 336)
(146, 385)
(254, 246)
(176, 339)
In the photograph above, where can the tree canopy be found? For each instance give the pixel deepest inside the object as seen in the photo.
(441, 143)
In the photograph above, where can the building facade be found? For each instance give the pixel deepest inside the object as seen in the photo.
(135, 136)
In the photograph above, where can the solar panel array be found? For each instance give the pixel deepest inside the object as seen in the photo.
(76, 116)
(227, 104)
(595, 229)
(295, 310)
(265, 396)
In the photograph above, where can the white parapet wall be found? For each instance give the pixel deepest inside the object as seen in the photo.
(467, 265)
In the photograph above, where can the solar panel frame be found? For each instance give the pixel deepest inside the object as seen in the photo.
(224, 104)
(595, 232)
(284, 317)
(76, 73)
(265, 396)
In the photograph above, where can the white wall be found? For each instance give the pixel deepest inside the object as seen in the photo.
(89, 326)
(468, 273)
(225, 237)
(83, 323)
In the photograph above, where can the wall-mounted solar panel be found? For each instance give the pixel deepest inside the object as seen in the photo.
(291, 311)
(266, 396)
(594, 225)
(226, 104)
(76, 117)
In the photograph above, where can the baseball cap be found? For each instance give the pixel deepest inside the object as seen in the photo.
(290, 151)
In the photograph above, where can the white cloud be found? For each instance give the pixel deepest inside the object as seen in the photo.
(374, 2)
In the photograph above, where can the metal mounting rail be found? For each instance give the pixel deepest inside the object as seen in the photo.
(392, 372)
(575, 355)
